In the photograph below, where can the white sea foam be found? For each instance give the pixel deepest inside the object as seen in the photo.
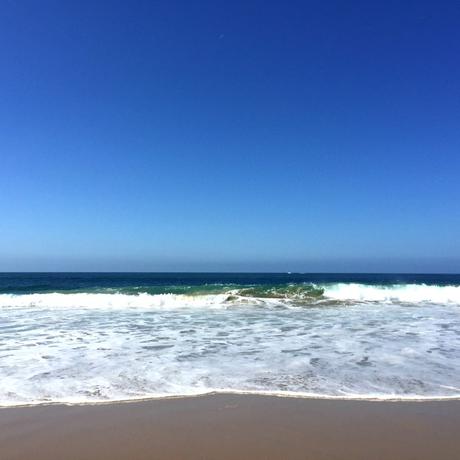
(409, 293)
(115, 301)
(398, 342)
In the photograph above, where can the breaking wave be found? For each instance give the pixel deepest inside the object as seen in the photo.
(216, 296)
(333, 339)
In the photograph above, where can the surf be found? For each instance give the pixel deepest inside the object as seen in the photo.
(177, 297)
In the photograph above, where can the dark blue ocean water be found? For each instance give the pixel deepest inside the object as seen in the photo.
(50, 282)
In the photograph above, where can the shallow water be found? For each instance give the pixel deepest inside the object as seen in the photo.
(102, 342)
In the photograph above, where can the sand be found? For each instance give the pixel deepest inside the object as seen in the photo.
(233, 427)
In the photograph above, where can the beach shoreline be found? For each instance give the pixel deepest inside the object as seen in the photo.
(230, 426)
(230, 392)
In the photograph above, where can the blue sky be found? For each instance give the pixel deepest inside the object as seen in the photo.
(266, 136)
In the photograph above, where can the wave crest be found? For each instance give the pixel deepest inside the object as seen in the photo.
(407, 293)
(115, 301)
(302, 294)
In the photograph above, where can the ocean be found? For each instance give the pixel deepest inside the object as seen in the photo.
(99, 337)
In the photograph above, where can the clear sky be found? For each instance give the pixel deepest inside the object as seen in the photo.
(230, 135)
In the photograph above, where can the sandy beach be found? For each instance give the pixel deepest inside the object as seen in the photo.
(233, 427)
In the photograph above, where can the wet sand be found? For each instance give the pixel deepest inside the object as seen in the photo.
(233, 427)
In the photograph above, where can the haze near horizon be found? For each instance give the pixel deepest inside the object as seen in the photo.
(230, 136)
